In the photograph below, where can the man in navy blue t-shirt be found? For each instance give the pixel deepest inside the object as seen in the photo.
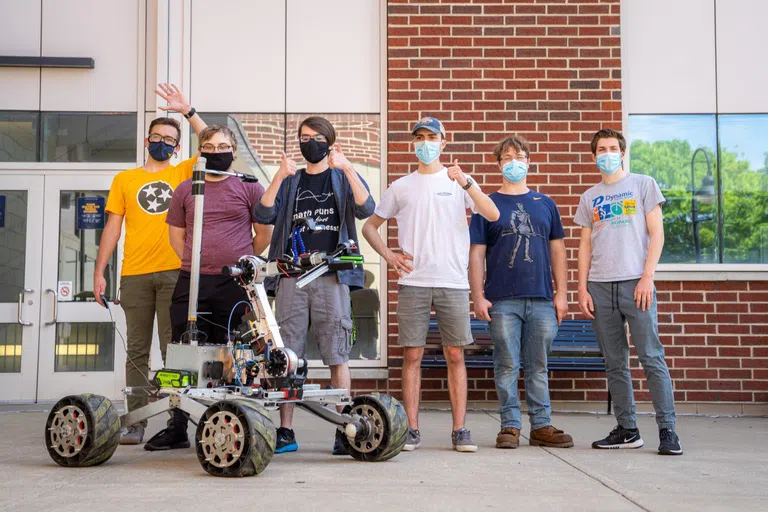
(511, 264)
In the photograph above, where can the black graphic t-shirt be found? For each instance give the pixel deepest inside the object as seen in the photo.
(314, 199)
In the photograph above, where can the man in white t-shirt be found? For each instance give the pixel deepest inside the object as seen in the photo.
(430, 206)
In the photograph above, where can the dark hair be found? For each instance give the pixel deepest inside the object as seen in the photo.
(607, 133)
(168, 121)
(322, 126)
(212, 130)
(519, 143)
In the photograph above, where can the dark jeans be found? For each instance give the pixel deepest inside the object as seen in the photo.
(216, 298)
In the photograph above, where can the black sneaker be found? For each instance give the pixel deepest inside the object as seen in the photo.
(286, 441)
(169, 438)
(338, 444)
(620, 437)
(670, 443)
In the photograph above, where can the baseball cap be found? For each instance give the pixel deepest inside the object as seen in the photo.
(430, 123)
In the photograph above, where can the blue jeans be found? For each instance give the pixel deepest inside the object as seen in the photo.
(522, 330)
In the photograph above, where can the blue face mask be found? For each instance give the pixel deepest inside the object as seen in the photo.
(160, 151)
(427, 151)
(514, 171)
(609, 163)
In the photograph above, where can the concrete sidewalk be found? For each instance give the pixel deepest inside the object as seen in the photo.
(725, 466)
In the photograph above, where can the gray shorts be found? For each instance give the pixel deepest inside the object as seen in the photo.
(324, 306)
(451, 308)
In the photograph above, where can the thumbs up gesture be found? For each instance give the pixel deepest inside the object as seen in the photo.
(287, 167)
(456, 174)
(337, 160)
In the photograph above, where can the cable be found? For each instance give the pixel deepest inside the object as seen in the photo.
(235, 363)
(125, 345)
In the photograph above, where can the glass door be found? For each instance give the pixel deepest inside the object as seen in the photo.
(21, 236)
(80, 350)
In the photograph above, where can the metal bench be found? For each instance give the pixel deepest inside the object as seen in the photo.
(573, 349)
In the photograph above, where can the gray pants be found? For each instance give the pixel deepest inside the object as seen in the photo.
(614, 304)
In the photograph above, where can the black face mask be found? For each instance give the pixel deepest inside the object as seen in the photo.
(160, 151)
(218, 161)
(313, 151)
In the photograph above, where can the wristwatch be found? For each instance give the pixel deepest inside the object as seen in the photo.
(191, 112)
(470, 182)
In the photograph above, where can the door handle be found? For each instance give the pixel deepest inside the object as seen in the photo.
(21, 305)
(55, 307)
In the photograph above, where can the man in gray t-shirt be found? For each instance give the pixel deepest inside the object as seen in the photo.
(622, 237)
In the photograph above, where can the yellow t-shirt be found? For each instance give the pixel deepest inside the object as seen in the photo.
(143, 198)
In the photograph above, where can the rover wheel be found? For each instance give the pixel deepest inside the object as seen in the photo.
(388, 427)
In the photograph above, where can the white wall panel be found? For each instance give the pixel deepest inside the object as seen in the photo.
(333, 56)
(19, 36)
(238, 55)
(150, 52)
(106, 30)
(670, 64)
(742, 65)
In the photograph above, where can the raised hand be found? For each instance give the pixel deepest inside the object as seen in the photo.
(175, 98)
(287, 167)
(456, 174)
(337, 160)
(400, 262)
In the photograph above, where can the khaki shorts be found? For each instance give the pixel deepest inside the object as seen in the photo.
(451, 308)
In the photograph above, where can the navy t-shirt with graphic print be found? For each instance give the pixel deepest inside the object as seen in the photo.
(314, 199)
(517, 256)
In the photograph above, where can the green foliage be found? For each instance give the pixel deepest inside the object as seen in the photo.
(745, 202)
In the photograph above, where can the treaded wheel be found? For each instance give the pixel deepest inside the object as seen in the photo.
(235, 438)
(388, 427)
(82, 430)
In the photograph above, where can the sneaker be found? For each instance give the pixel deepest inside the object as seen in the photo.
(132, 435)
(550, 436)
(169, 438)
(338, 444)
(620, 437)
(462, 441)
(286, 441)
(412, 440)
(670, 443)
(509, 437)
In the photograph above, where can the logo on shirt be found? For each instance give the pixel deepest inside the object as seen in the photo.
(614, 208)
(444, 194)
(155, 198)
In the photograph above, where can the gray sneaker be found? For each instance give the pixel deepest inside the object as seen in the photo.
(132, 435)
(412, 440)
(462, 441)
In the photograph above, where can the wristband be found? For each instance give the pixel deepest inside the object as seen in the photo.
(191, 113)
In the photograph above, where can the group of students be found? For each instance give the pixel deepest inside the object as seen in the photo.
(507, 257)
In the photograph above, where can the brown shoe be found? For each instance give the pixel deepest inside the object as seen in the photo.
(509, 437)
(550, 436)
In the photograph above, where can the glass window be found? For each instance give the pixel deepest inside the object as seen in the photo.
(88, 137)
(10, 348)
(18, 136)
(85, 347)
(678, 151)
(13, 243)
(81, 223)
(744, 169)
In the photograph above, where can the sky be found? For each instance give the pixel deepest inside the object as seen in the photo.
(746, 134)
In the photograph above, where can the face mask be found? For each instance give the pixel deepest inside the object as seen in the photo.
(218, 161)
(427, 151)
(514, 171)
(609, 163)
(160, 151)
(313, 151)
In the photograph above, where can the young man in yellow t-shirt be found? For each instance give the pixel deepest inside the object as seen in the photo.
(142, 197)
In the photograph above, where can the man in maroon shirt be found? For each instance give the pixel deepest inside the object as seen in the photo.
(227, 235)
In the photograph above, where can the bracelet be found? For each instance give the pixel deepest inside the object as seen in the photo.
(191, 113)
(470, 182)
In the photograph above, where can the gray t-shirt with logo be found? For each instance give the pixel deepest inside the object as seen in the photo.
(616, 213)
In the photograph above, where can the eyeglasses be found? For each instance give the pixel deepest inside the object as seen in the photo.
(319, 138)
(156, 137)
(507, 159)
(221, 148)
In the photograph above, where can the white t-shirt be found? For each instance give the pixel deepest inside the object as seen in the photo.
(431, 214)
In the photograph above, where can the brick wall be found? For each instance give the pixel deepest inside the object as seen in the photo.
(551, 71)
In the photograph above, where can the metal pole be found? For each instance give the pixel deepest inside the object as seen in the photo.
(198, 193)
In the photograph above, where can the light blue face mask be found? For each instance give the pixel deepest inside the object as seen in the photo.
(514, 171)
(427, 151)
(609, 163)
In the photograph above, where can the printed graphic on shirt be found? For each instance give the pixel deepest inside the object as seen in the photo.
(521, 227)
(155, 198)
(318, 207)
(617, 209)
